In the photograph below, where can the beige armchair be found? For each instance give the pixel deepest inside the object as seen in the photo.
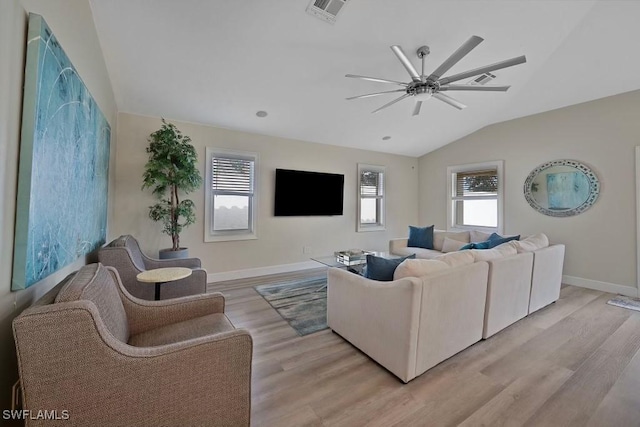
(124, 255)
(90, 348)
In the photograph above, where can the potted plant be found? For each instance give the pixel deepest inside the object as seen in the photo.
(171, 169)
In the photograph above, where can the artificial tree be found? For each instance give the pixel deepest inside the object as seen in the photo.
(172, 168)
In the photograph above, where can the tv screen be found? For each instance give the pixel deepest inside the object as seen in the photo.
(302, 193)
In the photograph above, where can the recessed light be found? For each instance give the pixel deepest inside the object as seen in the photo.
(261, 113)
(386, 138)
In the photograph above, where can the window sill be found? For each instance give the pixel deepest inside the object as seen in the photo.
(365, 229)
(472, 227)
(230, 237)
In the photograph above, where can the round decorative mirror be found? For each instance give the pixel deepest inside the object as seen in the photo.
(561, 188)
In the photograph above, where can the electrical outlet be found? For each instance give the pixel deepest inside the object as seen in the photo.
(306, 250)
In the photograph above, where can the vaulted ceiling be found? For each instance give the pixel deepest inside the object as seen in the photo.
(219, 62)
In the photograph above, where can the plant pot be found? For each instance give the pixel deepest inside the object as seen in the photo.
(171, 254)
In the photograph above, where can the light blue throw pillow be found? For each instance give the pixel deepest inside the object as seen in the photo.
(420, 237)
(382, 269)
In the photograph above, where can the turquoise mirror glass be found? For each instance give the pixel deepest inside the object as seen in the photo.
(561, 188)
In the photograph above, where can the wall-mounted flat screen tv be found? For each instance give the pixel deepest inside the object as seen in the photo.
(303, 193)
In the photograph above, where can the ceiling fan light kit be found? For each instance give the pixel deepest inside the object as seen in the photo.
(423, 87)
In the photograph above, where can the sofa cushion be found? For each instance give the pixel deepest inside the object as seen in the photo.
(457, 259)
(421, 237)
(478, 236)
(531, 243)
(189, 329)
(418, 252)
(418, 268)
(382, 269)
(497, 239)
(439, 236)
(500, 251)
(451, 245)
(94, 283)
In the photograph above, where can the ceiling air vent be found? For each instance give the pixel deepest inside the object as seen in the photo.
(482, 79)
(327, 10)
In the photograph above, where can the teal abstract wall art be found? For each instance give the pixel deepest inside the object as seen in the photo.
(567, 189)
(63, 176)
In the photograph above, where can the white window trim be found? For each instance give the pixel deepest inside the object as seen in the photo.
(229, 235)
(381, 225)
(451, 220)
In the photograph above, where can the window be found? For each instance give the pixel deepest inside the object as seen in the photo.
(370, 198)
(475, 196)
(230, 198)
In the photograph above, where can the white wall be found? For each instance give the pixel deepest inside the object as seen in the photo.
(72, 23)
(601, 242)
(280, 240)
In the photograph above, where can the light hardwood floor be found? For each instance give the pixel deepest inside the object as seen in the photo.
(574, 363)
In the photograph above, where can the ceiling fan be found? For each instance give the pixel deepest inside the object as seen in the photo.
(423, 86)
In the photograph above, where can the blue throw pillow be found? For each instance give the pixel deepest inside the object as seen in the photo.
(483, 245)
(382, 268)
(497, 239)
(477, 245)
(420, 237)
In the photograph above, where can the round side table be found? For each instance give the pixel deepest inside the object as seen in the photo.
(163, 275)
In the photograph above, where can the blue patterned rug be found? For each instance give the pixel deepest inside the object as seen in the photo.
(302, 303)
(625, 302)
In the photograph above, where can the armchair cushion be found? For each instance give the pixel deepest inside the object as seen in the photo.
(183, 331)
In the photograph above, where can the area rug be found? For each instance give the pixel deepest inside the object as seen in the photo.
(302, 303)
(625, 302)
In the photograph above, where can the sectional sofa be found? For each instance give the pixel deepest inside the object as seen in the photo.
(442, 303)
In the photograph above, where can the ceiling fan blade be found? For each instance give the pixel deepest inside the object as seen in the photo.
(474, 87)
(486, 69)
(374, 94)
(406, 63)
(416, 110)
(462, 51)
(447, 99)
(375, 79)
(388, 104)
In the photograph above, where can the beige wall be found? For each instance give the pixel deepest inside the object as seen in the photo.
(280, 240)
(72, 23)
(601, 242)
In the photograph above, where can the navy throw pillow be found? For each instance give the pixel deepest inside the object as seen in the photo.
(497, 239)
(382, 269)
(420, 237)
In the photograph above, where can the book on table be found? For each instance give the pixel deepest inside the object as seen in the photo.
(352, 256)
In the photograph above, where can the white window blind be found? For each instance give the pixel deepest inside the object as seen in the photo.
(371, 183)
(477, 184)
(232, 175)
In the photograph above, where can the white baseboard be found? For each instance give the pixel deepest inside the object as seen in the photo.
(601, 286)
(261, 271)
